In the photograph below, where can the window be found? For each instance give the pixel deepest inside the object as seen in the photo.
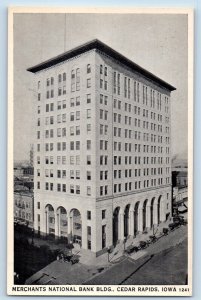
(101, 83)
(77, 145)
(88, 144)
(59, 78)
(63, 160)
(72, 102)
(88, 68)
(59, 91)
(77, 79)
(88, 98)
(71, 145)
(72, 116)
(77, 115)
(63, 118)
(88, 113)
(64, 187)
(101, 69)
(88, 128)
(77, 160)
(77, 130)
(64, 76)
(88, 175)
(88, 191)
(64, 103)
(88, 230)
(72, 160)
(101, 190)
(88, 82)
(72, 189)
(38, 205)
(77, 101)
(88, 159)
(103, 214)
(88, 215)
(105, 71)
(89, 244)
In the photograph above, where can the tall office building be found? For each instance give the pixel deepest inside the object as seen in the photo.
(103, 149)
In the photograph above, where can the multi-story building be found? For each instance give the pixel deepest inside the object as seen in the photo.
(24, 207)
(103, 160)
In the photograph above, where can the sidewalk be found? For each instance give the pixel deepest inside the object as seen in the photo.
(119, 249)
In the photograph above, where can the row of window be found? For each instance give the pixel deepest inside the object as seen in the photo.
(75, 189)
(75, 160)
(75, 174)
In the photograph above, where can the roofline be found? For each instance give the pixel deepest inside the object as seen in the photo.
(96, 44)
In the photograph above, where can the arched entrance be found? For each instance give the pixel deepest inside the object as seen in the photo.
(116, 225)
(126, 220)
(159, 210)
(144, 214)
(62, 228)
(50, 220)
(152, 213)
(136, 221)
(75, 226)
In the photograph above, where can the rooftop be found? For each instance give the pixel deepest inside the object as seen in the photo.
(98, 45)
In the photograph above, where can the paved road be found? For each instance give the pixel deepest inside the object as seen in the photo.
(164, 262)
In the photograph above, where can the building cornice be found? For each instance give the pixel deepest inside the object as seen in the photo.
(100, 46)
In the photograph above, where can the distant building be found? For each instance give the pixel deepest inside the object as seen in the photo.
(103, 147)
(24, 207)
(32, 155)
(24, 173)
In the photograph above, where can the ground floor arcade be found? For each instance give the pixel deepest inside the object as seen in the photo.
(105, 223)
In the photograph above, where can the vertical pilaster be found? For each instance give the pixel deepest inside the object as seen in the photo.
(121, 233)
(155, 214)
(148, 216)
(47, 222)
(140, 219)
(131, 223)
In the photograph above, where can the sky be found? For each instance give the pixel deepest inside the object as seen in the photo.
(158, 43)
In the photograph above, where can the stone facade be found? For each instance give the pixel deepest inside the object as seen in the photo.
(102, 159)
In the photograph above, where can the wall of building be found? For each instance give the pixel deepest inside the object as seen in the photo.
(147, 141)
(24, 207)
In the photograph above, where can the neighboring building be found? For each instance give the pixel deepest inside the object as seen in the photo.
(102, 149)
(24, 173)
(31, 155)
(24, 207)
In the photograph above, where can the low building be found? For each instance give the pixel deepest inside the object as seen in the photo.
(24, 207)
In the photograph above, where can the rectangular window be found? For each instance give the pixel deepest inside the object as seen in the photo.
(88, 144)
(88, 215)
(88, 128)
(88, 159)
(88, 98)
(88, 191)
(77, 101)
(103, 214)
(88, 175)
(88, 68)
(88, 82)
(72, 189)
(77, 115)
(88, 113)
